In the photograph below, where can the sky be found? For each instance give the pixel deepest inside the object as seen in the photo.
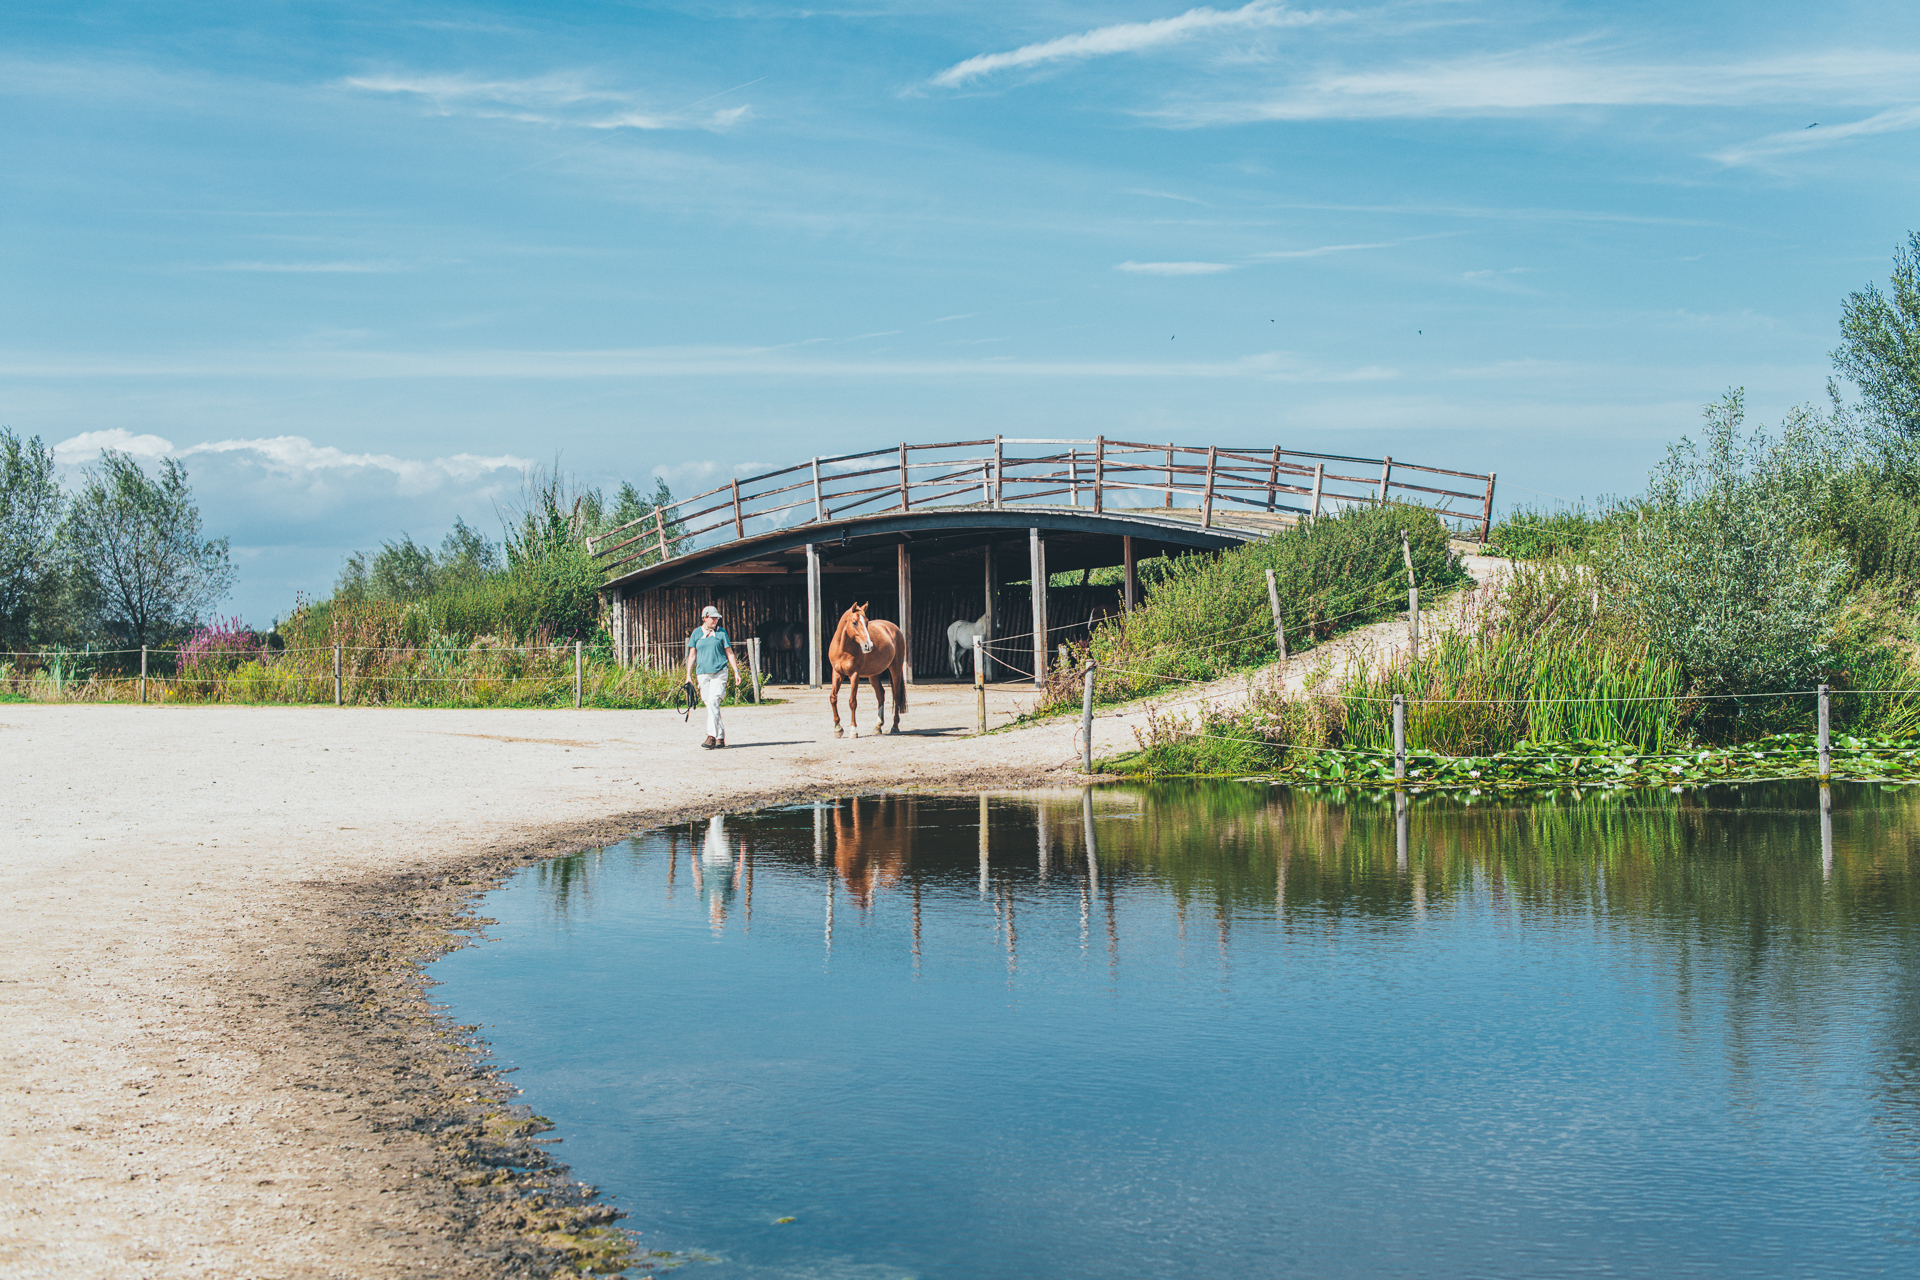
(361, 265)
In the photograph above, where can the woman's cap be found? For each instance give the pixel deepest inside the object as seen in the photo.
(709, 612)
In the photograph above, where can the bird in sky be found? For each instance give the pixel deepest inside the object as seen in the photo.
(1814, 125)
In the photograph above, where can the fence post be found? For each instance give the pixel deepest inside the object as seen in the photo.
(1273, 479)
(819, 503)
(753, 666)
(1169, 499)
(1099, 472)
(1486, 511)
(1826, 751)
(336, 675)
(143, 673)
(997, 466)
(660, 531)
(1073, 477)
(1413, 599)
(1206, 503)
(1273, 602)
(1319, 479)
(739, 519)
(1399, 738)
(903, 475)
(579, 665)
(1086, 722)
(1386, 473)
(980, 681)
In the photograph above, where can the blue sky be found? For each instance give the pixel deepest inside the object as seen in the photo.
(360, 263)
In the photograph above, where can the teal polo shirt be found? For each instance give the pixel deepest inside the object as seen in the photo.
(709, 651)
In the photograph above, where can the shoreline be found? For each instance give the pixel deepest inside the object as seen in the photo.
(220, 1054)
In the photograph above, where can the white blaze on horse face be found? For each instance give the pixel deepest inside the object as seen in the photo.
(866, 637)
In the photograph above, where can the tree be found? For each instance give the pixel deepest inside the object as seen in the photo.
(30, 507)
(1880, 347)
(140, 541)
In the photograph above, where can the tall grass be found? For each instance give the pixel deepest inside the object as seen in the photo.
(1205, 616)
(1532, 533)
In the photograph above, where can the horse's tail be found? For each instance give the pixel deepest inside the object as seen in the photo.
(899, 678)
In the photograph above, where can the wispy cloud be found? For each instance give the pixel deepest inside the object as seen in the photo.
(652, 362)
(1174, 268)
(1323, 250)
(1545, 78)
(298, 458)
(1125, 37)
(347, 267)
(1817, 136)
(557, 98)
(1164, 195)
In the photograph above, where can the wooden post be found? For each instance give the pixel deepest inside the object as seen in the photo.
(983, 844)
(143, 673)
(1486, 511)
(1206, 500)
(1826, 745)
(819, 502)
(739, 518)
(986, 484)
(1400, 829)
(1273, 479)
(336, 675)
(1073, 477)
(1319, 479)
(1169, 501)
(660, 531)
(1086, 722)
(988, 611)
(903, 475)
(579, 669)
(1273, 602)
(1413, 599)
(1399, 738)
(998, 461)
(1037, 558)
(1386, 473)
(980, 681)
(1130, 576)
(813, 615)
(1826, 832)
(1099, 472)
(904, 566)
(753, 666)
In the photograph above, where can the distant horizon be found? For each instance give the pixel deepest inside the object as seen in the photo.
(361, 266)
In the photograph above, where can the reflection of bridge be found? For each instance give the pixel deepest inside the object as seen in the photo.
(810, 539)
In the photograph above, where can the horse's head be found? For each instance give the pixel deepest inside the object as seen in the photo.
(856, 622)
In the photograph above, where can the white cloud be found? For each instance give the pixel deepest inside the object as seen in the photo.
(1174, 268)
(1325, 249)
(86, 446)
(300, 459)
(309, 268)
(1540, 79)
(558, 98)
(1817, 136)
(1126, 37)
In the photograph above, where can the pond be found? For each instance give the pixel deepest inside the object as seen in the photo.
(1231, 1030)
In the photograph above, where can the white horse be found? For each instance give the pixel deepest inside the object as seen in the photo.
(960, 637)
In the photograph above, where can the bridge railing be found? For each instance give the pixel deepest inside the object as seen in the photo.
(1210, 483)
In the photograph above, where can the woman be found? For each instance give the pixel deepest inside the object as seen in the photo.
(709, 656)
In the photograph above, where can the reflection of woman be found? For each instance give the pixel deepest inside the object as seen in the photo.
(714, 874)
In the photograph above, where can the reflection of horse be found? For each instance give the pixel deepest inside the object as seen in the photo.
(960, 638)
(862, 648)
(785, 647)
(872, 855)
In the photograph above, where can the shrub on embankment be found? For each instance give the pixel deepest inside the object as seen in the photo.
(1205, 616)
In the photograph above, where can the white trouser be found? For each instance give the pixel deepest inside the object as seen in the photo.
(712, 689)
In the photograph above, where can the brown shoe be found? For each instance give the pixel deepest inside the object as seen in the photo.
(708, 742)
(719, 742)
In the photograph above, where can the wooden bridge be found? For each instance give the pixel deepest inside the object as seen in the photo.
(764, 547)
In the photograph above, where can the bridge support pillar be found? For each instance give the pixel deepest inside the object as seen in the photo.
(1129, 577)
(813, 616)
(1037, 553)
(906, 612)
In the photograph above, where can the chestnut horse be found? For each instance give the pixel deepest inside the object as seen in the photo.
(862, 648)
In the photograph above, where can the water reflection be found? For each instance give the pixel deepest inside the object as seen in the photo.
(1239, 1031)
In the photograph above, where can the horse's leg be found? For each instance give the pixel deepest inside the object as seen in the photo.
(834, 698)
(853, 702)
